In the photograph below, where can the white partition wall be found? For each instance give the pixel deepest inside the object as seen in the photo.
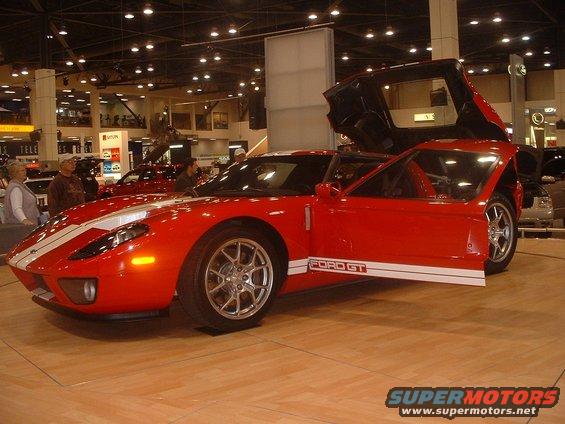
(298, 69)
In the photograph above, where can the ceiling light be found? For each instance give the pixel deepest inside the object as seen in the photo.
(147, 9)
(16, 100)
(486, 69)
(230, 95)
(81, 100)
(149, 45)
(138, 70)
(25, 71)
(345, 57)
(312, 16)
(413, 50)
(217, 57)
(239, 94)
(497, 19)
(195, 78)
(253, 83)
(65, 103)
(93, 78)
(256, 88)
(63, 30)
(546, 51)
(387, 87)
(87, 92)
(461, 60)
(189, 91)
(389, 31)
(139, 85)
(71, 96)
(150, 84)
(5, 86)
(242, 84)
(129, 15)
(83, 81)
(529, 53)
(369, 69)
(203, 60)
(69, 63)
(142, 97)
(474, 22)
(470, 71)
(199, 90)
(206, 76)
(66, 90)
(370, 34)
(257, 70)
(15, 73)
(547, 64)
(505, 40)
(526, 38)
(429, 48)
(134, 48)
(124, 99)
(150, 68)
(119, 94)
(103, 101)
(214, 33)
(82, 59)
(334, 12)
(10, 92)
(232, 29)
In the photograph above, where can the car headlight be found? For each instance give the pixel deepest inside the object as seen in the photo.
(110, 241)
(545, 202)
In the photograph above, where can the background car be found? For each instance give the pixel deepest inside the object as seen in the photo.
(537, 208)
(143, 179)
(553, 179)
(39, 187)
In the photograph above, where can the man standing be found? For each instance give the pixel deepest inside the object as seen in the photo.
(65, 191)
(187, 178)
(239, 155)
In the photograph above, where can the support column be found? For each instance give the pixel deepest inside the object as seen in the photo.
(148, 112)
(45, 103)
(444, 29)
(559, 78)
(518, 99)
(95, 117)
(298, 69)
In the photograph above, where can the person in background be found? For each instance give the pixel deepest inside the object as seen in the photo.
(20, 204)
(187, 178)
(66, 190)
(239, 155)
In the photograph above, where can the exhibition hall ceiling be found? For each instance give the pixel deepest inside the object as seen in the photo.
(217, 46)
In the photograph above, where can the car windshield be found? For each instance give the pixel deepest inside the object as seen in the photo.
(39, 186)
(291, 175)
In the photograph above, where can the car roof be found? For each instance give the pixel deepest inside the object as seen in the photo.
(324, 153)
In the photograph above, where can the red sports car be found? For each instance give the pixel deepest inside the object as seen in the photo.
(443, 211)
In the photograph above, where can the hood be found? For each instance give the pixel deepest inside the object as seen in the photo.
(392, 110)
(529, 162)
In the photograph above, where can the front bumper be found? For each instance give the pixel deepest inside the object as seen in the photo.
(128, 316)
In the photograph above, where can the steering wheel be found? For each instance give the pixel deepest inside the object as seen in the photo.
(191, 192)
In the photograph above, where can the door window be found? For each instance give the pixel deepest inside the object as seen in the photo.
(430, 174)
(131, 177)
(350, 169)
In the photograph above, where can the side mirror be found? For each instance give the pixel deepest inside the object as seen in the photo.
(328, 190)
(548, 179)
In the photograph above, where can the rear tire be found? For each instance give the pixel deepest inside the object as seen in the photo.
(502, 233)
(230, 278)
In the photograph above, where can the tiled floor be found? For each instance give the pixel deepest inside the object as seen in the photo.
(326, 356)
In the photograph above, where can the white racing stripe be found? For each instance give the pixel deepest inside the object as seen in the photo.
(389, 270)
(107, 222)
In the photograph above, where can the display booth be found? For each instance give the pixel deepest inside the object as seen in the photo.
(114, 151)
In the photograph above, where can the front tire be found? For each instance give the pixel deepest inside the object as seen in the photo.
(502, 233)
(230, 278)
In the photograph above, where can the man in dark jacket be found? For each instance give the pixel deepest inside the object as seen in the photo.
(65, 191)
(187, 178)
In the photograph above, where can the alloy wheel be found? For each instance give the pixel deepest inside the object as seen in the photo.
(239, 278)
(500, 231)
